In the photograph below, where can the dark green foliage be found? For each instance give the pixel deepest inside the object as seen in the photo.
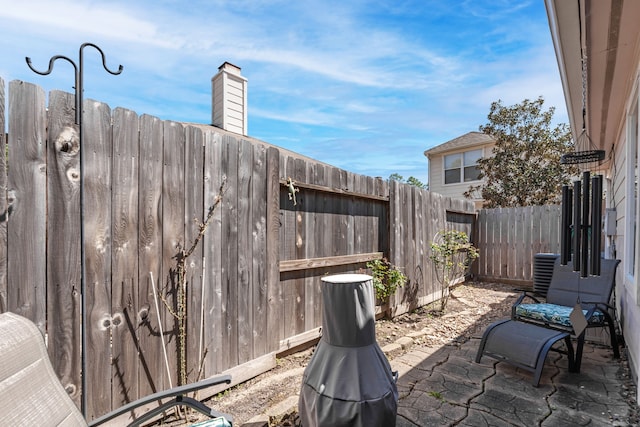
(411, 181)
(524, 169)
(386, 278)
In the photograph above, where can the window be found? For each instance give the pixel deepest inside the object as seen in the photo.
(632, 192)
(462, 167)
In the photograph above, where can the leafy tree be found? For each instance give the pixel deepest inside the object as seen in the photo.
(411, 181)
(396, 177)
(524, 168)
(417, 183)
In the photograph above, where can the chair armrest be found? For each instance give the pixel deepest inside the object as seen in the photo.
(600, 305)
(173, 392)
(523, 295)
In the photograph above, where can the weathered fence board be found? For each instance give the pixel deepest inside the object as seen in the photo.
(63, 241)
(194, 218)
(98, 148)
(214, 180)
(151, 364)
(244, 303)
(27, 196)
(258, 262)
(295, 302)
(229, 162)
(124, 257)
(314, 173)
(275, 320)
(173, 240)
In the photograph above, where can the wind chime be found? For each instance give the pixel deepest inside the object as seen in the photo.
(580, 238)
(581, 223)
(582, 204)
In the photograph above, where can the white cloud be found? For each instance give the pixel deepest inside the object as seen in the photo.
(105, 21)
(323, 74)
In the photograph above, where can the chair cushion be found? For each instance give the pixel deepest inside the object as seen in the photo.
(553, 314)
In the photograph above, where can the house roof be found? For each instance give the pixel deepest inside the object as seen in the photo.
(605, 35)
(468, 140)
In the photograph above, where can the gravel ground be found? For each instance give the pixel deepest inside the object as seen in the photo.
(471, 307)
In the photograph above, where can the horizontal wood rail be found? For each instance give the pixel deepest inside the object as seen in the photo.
(459, 212)
(335, 190)
(303, 264)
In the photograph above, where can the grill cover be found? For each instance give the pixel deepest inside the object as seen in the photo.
(348, 381)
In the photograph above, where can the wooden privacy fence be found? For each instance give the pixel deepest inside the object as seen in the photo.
(417, 216)
(509, 238)
(253, 281)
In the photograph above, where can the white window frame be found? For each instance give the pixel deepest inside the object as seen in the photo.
(462, 166)
(632, 205)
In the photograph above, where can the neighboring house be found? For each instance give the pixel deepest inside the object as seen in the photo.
(604, 35)
(453, 166)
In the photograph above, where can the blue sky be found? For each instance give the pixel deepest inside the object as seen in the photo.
(367, 86)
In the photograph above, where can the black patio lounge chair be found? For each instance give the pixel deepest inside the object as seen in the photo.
(565, 290)
(524, 345)
(32, 395)
(538, 325)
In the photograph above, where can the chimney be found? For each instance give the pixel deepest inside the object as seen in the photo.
(229, 99)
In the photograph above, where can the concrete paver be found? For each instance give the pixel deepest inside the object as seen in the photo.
(446, 387)
(517, 409)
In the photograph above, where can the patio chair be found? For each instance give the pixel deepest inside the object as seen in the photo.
(524, 345)
(533, 330)
(32, 395)
(565, 290)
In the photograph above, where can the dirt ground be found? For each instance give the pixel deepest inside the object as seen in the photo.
(471, 307)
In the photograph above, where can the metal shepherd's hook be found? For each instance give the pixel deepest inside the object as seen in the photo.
(79, 85)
